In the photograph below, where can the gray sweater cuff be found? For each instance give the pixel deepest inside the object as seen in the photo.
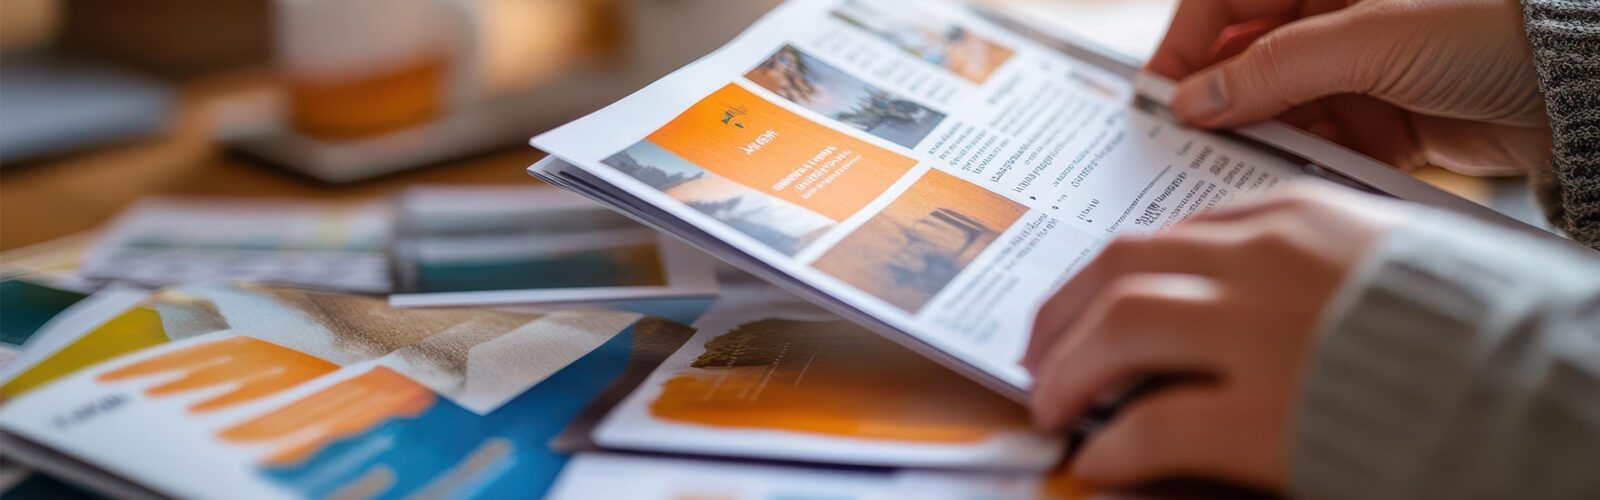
(1565, 35)
(1373, 398)
(1399, 370)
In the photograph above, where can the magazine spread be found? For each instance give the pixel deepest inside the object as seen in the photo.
(913, 160)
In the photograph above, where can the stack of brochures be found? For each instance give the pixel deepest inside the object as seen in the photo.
(901, 183)
(222, 347)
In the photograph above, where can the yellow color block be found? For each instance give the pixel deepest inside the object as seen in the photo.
(132, 331)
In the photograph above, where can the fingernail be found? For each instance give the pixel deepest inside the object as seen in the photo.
(1210, 102)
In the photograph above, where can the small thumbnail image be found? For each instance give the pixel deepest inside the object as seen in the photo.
(782, 225)
(809, 82)
(940, 42)
(919, 243)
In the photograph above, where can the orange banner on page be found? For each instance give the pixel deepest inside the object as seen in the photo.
(752, 141)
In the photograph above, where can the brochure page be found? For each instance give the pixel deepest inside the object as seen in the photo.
(910, 158)
(767, 375)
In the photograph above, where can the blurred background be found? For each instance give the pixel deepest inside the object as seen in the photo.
(103, 102)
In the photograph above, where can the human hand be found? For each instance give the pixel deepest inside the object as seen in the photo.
(1229, 299)
(1443, 82)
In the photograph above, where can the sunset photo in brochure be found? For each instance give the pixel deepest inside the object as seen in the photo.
(908, 252)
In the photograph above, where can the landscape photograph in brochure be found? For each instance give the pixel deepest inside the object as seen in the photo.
(779, 224)
(908, 252)
(924, 34)
(820, 87)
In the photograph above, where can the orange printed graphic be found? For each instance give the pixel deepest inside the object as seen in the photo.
(344, 409)
(830, 377)
(749, 140)
(252, 368)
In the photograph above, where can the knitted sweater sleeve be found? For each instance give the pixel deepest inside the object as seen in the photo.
(1566, 49)
(1461, 361)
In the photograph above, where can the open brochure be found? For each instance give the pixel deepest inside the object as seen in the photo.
(255, 391)
(920, 168)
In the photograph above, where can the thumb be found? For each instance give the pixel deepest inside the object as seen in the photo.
(1299, 62)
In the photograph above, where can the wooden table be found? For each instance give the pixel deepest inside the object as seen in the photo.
(52, 198)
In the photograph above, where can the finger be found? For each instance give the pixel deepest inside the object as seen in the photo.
(1125, 255)
(1307, 116)
(1166, 434)
(1143, 328)
(1234, 39)
(1375, 128)
(1196, 25)
(1243, 209)
(1203, 245)
(1296, 196)
(1366, 124)
(1302, 61)
(1481, 149)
